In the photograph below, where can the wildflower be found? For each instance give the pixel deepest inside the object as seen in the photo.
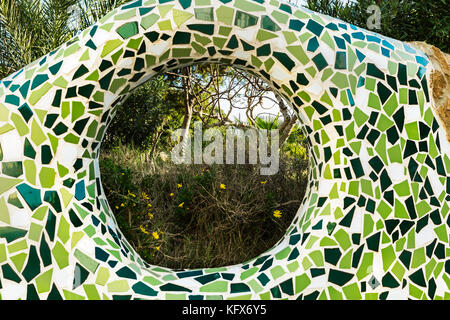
(181, 205)
(277, 214)
(117, 207)
(155, 235)
(179, 185)
(131, 194)
(264, 182)
(150, 215)
(171, 194)
(145, 196)
(157, 248)
(143, 229)
(222, 186)
(122, 205)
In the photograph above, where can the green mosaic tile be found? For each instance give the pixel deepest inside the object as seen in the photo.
(384, 163)
(206, 14)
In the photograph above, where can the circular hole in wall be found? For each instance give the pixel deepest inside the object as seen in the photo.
(195, 214)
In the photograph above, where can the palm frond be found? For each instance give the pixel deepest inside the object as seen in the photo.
(30, 29)
(268, 122)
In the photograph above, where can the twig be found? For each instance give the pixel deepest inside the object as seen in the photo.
(287, 203)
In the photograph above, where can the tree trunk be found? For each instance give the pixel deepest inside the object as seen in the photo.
(188, 109)
(287, 130)
(155, 143)
(288, 122)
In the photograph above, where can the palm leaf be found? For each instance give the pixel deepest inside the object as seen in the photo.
(267, 122)
(30, 29)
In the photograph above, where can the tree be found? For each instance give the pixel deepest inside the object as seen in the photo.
(151, 112)
(29, 29)
(212, 92)
(404, 20)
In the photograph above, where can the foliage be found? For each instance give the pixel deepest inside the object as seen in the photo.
(150, 113)
(405, 20)
(30, 29)
(296, 144)
(267, 122)
(189, 216)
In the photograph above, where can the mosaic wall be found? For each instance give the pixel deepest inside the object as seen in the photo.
(375, 220)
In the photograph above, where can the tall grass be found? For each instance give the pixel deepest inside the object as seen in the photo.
(191, 216)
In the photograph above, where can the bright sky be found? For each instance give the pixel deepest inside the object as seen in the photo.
(268, 107)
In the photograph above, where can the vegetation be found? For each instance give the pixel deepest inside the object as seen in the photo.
(189, 216)
(147, 127)
(30, 29)
(405, 20)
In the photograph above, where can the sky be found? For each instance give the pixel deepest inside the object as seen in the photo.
(268, 108)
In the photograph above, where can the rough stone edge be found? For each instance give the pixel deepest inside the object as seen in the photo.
(439, 81)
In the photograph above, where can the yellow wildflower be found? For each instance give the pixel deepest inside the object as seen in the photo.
(150, 215)
(117, 207)
(222, 186)
(157, 248)
(277, 214)
(171, 194)
(155, 235)
(143, 229)
(181, 205)
(179, 185)
(264, 182)
(122, 205)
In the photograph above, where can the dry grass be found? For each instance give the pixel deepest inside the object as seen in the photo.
(191, 216)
